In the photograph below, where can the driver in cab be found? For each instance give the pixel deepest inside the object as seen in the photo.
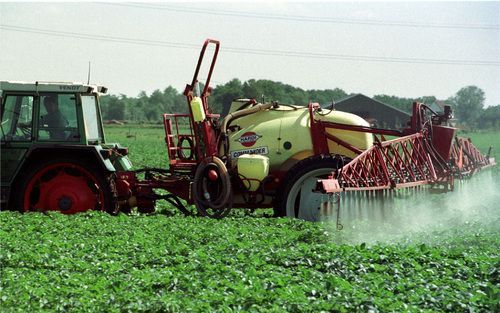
(54, 120)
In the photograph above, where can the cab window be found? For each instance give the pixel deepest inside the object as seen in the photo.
(91, 118)
(17, 118)
(57, 118)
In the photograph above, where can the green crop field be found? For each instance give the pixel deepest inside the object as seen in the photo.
(483, 140)
(435, 253)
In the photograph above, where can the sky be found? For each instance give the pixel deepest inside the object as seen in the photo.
(406, 49)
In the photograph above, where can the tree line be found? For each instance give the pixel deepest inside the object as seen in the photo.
(467, 103)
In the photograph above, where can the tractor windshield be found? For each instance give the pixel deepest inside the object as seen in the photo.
(91, 117)
(17, 113)
(58, 117)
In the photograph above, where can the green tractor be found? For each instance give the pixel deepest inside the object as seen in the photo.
(54, 154)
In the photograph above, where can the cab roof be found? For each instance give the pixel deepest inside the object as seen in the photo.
(40, 86)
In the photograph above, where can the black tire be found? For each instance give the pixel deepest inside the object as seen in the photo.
(212, 198)
(64, 184)
(299, 181)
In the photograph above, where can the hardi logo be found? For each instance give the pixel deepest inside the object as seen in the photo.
(248, 139)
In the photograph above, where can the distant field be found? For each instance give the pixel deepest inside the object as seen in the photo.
(483, 140)
(437, 254)
(146, 144)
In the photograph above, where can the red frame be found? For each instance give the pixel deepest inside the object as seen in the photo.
(398, 163)
(320, 134)
(420, 158)
(173, 134)
(204, 133)
(204, 137)
(467, 158)
(207, 139)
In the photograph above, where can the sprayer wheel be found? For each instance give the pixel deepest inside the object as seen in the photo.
(212, 193)
(296, 197)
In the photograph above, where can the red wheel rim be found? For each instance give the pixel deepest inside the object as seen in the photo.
(64, 187)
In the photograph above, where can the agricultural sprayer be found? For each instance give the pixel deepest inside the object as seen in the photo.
(258, 155)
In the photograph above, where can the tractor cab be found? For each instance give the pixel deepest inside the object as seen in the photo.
(50, 113)
(56, 124)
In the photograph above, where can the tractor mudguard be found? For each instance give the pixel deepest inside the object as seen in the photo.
(37, 152)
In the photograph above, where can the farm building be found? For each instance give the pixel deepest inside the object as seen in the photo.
(378, 114)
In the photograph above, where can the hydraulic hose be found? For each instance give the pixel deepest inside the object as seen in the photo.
(232, 116)
(202, 185)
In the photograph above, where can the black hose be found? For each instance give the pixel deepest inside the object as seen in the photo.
(175, 201)
(201, 184)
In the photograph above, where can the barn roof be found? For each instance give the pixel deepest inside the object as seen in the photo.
(437, 106)
(365, 100)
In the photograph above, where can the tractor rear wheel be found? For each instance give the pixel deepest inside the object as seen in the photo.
(67, 185)
(296, 197)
